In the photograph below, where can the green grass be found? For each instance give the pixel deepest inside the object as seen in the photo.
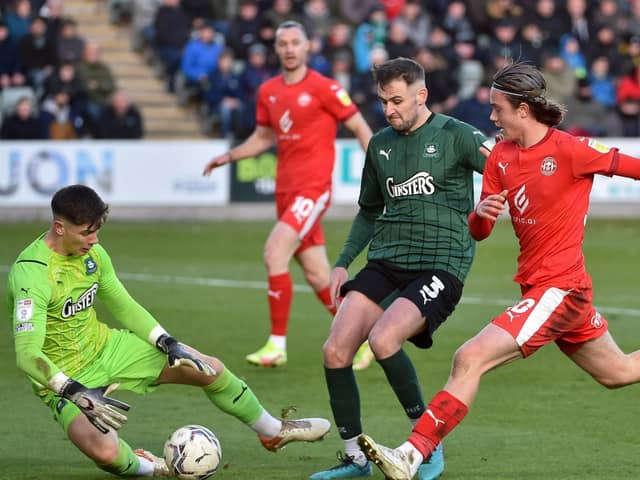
(539, 418)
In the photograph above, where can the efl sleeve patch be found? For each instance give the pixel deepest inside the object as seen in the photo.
(24, 309)
(344, 97)
(600, 147)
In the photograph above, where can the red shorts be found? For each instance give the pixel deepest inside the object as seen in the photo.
(303, 212)
(549, 314)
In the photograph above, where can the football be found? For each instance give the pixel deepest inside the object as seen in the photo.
(193, 452)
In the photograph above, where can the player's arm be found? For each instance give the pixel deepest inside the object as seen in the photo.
(136, 318)
(261, 139)
(360, 129)
(29, 293)
(589, 156)
(492, 202)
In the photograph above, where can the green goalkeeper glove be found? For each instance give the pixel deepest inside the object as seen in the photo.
(178, 355)
(96, 405)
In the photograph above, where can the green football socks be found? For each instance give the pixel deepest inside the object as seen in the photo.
(233, 396)
(403, 379)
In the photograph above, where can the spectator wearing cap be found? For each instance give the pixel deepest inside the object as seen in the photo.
(121, 119)
(243, 29)
(200, 58)
(23, 123)
(10, 68)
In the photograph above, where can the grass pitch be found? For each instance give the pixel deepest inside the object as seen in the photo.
(539, 418)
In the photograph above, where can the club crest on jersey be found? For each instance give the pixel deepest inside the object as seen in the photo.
(420, 184)
(430, 150)
(548, 166)
(91, 265)
(304, 99)
(85, 300)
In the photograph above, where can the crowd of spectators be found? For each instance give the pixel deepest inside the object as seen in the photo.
(217, 52)
(53, 84)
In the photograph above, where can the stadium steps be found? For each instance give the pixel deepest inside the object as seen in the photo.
(163, 118)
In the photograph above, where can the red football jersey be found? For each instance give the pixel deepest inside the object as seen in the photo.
(549, 185)
(305, 117)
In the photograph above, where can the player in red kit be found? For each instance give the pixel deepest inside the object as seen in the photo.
(299, 111)
(546, 175)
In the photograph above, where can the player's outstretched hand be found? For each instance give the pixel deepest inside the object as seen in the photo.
(96, 404)
(338, 277)
(216, 162)
(178, 355)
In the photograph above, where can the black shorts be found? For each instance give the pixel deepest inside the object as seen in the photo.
(435, 292)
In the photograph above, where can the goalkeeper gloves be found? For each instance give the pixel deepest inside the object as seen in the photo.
(178, 355)
(96, 404)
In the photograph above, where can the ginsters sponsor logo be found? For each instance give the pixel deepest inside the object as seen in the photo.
(70, 308)
(420, 184)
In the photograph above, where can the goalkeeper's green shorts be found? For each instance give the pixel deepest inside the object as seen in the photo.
(126, 359)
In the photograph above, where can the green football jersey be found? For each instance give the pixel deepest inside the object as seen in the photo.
(51, 304)
(415, 196)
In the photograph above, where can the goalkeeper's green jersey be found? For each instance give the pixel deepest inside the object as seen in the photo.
(51, 304)
(415, 196)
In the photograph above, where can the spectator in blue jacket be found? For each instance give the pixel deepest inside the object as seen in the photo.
(603, 87)
(200, 58)
(19, 20)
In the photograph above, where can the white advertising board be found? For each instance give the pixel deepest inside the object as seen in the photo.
(350, 160)
(122, 172)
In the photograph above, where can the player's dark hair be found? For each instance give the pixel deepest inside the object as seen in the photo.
(292, 24)
(522, 82)
(399, 68)
(79, 205)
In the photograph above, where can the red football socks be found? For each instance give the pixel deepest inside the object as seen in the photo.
(280, 295)
(443, 414)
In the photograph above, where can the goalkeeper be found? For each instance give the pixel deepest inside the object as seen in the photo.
(75, 362)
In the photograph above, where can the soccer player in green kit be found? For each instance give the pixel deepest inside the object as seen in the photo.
(75, 361)
(415, 196)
